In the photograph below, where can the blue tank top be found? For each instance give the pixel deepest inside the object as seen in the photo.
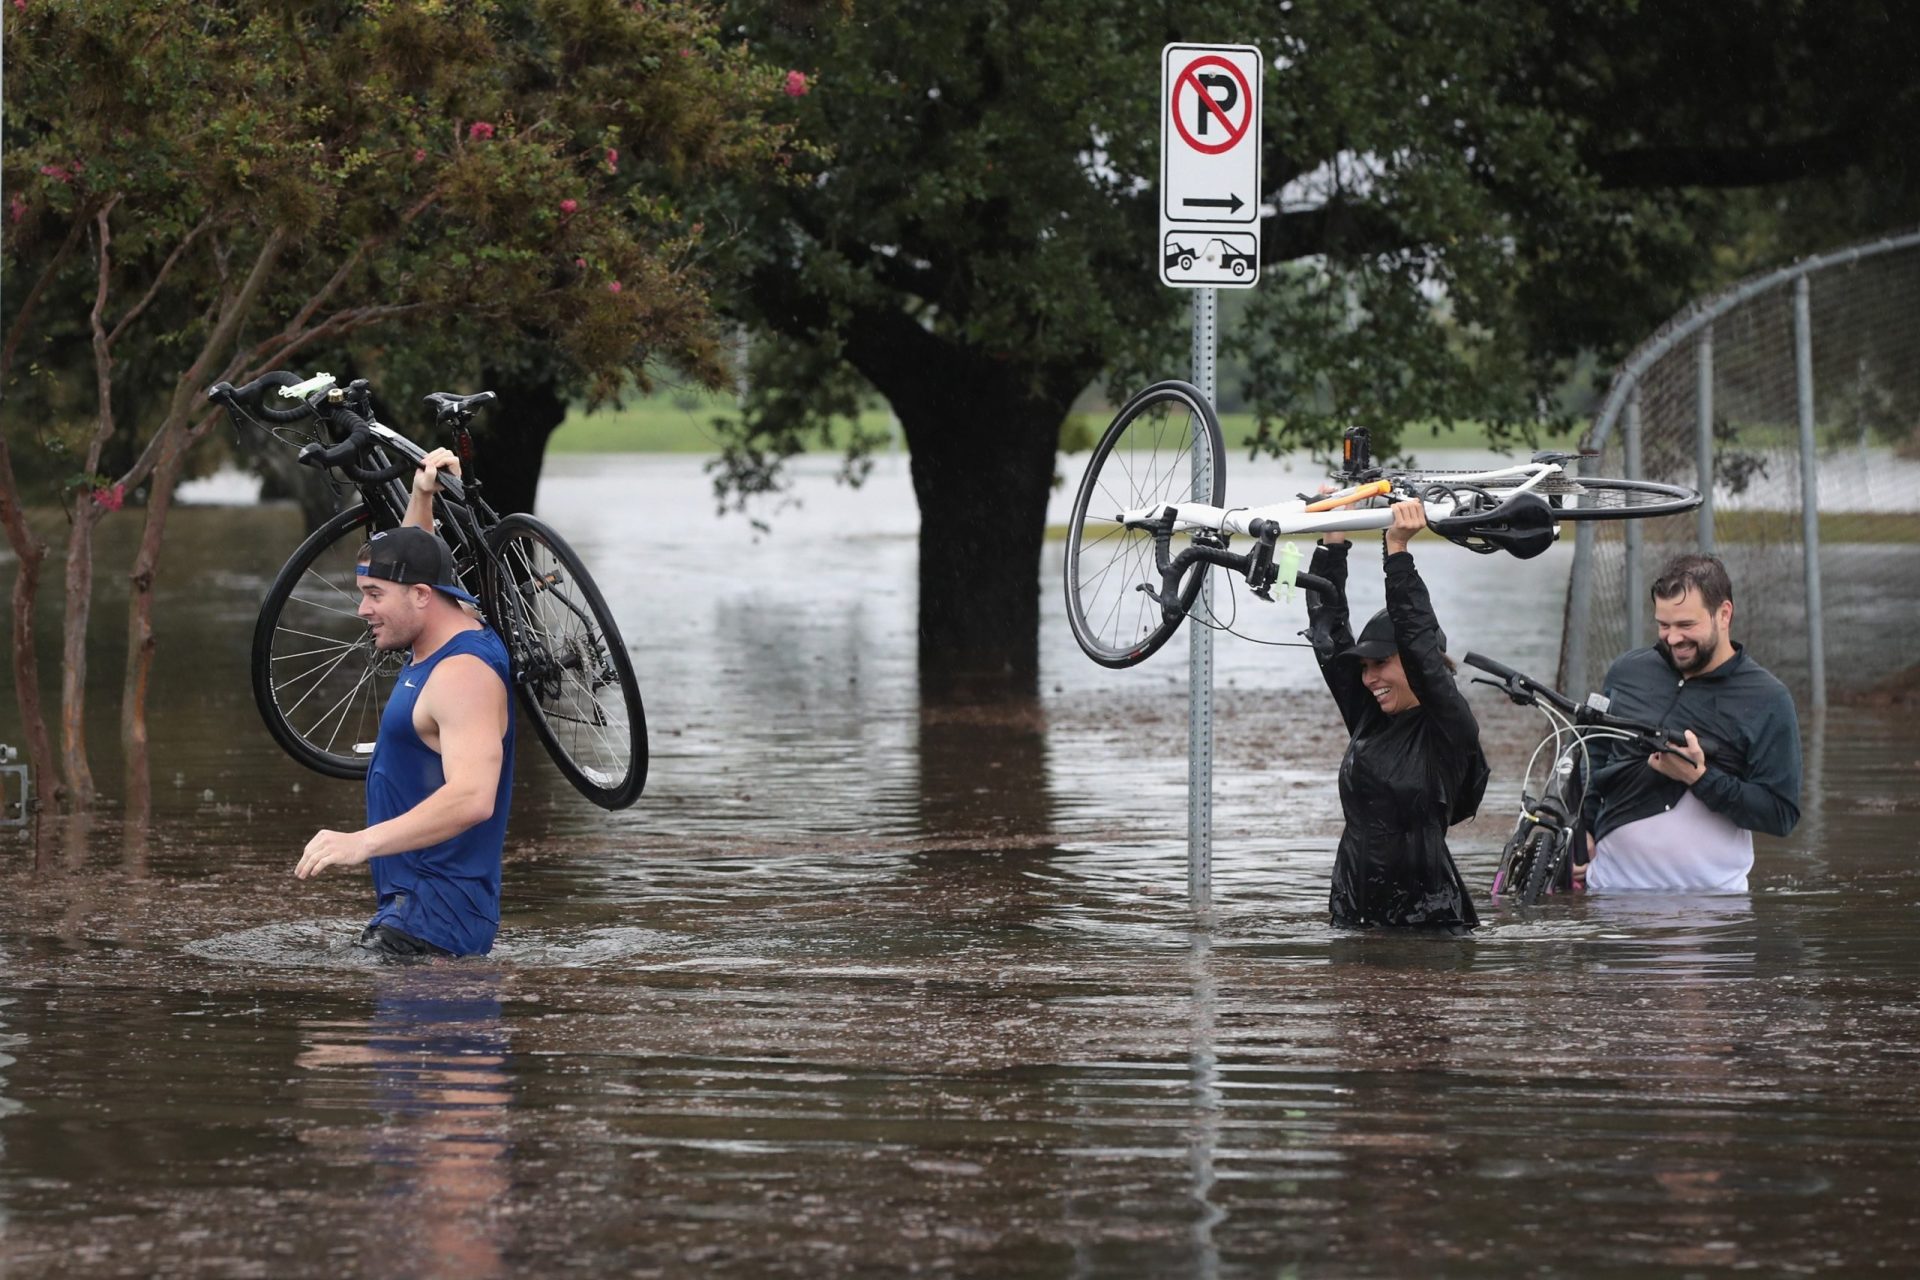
(448, 893)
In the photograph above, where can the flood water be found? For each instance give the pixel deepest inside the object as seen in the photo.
(862, 987)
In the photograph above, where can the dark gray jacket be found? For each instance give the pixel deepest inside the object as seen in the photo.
(1745, 721)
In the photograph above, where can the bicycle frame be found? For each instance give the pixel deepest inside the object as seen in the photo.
(459, 523)
(1337, 515)
(1555, 807)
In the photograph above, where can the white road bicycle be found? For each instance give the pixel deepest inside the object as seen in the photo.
(1139, 546)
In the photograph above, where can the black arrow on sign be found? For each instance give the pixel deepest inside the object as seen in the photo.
(1231, 204)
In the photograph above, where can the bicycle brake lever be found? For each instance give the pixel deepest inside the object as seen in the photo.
(1518, 699)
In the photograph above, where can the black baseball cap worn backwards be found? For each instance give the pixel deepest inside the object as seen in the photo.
(1377, 640)
(410, 555)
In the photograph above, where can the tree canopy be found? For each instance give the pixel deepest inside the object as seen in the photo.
(488, 173)
(1463, 196)
(199, 190)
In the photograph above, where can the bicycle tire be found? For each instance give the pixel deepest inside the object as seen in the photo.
(1592, 497)
(318, 681)
(1145, 458)
(1512, 869)
(570, 665)
(1543, 864)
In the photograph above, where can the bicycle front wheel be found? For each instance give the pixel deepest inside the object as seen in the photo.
(318, 680)
(1549, 849)
(1163, 447)
(569, 663)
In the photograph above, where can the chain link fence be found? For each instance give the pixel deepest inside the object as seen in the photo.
(1792, 401)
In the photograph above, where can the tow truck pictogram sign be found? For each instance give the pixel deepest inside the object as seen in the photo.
(1210, 103)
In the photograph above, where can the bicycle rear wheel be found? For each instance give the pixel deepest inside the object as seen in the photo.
(318, 681)
(1150, 455)
(569, 663)
(1591, 497)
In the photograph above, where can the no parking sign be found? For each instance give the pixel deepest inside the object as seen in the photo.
(1210, 101)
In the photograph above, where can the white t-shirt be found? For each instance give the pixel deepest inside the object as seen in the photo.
(1689, 848)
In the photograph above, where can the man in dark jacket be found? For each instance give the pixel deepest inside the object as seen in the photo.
(1685, 820)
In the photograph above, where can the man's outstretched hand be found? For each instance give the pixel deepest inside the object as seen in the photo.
(427, 478)
(332, 849)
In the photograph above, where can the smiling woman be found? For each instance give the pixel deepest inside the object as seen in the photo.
(1413, 766)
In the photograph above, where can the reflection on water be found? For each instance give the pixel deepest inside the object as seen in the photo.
(432, 1060)
(864, 986)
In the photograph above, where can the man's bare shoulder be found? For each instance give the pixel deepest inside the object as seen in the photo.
(462, 681)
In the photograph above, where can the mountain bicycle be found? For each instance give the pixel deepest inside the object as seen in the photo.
(1539, 854)
(1128, 591)
(318, 680)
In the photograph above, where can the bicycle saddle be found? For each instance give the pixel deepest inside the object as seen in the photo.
(1525, 530)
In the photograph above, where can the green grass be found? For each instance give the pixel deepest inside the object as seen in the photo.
(1835, 526)
(1238, 430)
(679, 422)
(676, 423)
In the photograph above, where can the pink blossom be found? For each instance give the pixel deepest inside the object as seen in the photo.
(111, 499)
(21, 5)
(569, 207)
(480, 130)
(613, 286)
(419, 154)
(16, 208)
(686, 53)
(580, 262)
(796, 86)
(58, 172)
(613, 159)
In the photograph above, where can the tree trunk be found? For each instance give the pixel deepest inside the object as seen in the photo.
(141, 641)
(982, 475)
(73, 670)
(510, 437)
(30, 552)
(983, 432)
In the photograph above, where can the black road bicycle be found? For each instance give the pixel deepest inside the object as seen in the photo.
(1539, 855)
(318, 680)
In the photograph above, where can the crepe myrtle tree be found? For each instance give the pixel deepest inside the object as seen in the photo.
(198, 191)
(1462, 195)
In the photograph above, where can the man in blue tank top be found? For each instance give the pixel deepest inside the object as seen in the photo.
(442, 769)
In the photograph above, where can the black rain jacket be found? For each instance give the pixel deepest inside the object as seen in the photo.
(1742, 716)
(1405, 778)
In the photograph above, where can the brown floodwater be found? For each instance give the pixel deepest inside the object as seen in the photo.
(867, 987)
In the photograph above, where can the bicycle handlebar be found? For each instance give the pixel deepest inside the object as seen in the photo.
(254, 395)
(1525, 690)
(345, 454)
(357, 436)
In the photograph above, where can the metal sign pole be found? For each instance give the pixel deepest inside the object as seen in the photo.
(1199, 636)
(1211, 109)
